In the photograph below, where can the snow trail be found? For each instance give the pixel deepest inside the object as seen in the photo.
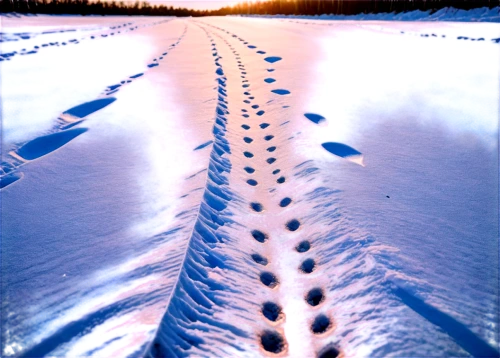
(260, 253)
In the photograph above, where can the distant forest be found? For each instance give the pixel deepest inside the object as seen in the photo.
(269, 7)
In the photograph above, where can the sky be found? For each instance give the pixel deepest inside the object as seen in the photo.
(197, 4)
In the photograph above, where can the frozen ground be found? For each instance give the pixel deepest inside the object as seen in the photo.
(241, 187)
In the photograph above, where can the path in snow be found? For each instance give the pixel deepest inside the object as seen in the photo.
(259, 188)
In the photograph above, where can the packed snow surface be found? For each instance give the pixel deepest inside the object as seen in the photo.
(242, 187)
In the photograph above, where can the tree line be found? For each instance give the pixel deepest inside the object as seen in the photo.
(269, 7)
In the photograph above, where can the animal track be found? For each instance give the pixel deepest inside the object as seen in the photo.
(259, 236)
(293, 225)
(315, 296)
(315, 118)
(303, 246)
(285, 202)
(329, 352)
(272, 341)
(257, 207)
(321, 324)
(269, 279)
(272, 59)
(344, 151)
(281, 92)
(272, 311)
(261, 260)
(308, 266)
(252, 182)
(46, 144)
(87, 108)
(280, 180)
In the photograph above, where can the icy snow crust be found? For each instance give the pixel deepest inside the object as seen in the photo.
(208, 188)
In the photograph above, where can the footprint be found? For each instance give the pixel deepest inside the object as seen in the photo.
(245, 126)
(307, 266)
(329, 352)
(281, 92)
(84, 109)
(293, 225)
(344, 151)
(272, 311)
(261, 52)
(268, 137)
(272, 341)
(270, 160)
(248, 154)
(261, 260)
(255, 106)
(270, 69)
(259, 236)
(272, 59)
(201, 146)
(249, 170)
(315, 296)
(10, 179)
(321, 324)
(303, 246)
(252, 182)
(44, 145)
(264, 125)
(315, 118)
(258, 207)
(269, 80)
(276, 171)
(137, 75)
(285, 202)
(269, 279)
(280, 180)
(260, 113)
(248, 140)
(252, 46)
(271, 149)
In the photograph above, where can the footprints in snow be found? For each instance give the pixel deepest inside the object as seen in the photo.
(62, 132)
(46, 144)
(273, 340)
(7, 56)
(85, 109)
(339, 149)
(344, 151)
